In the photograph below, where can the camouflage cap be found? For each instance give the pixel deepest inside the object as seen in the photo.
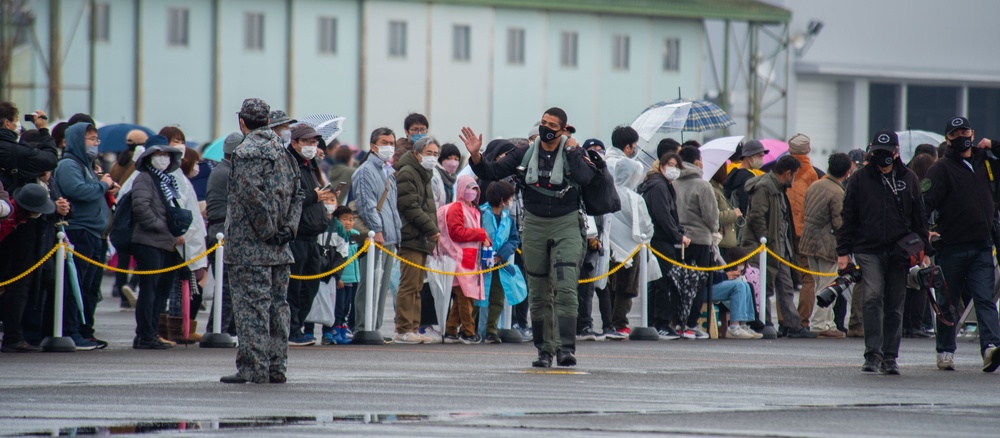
(279, 117)
(255, 110)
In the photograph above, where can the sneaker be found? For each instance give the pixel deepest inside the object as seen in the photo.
(492, 338)
(991, 359)
(300, 340)
(468, 339)
(832, 334)
(451, 339)
(871, 365)
(328, 339)
(526, 332)
(668, 334)
(408, 338)
(129, 297)
(20, 347)
(587, 334)
(946, 361)
(348, 333)
(617, 335)
(801, 333)
(148, 344)
(309, 338)
(737, 332)
(889, 366)
(101, 344)
(430, 334)
(694, 333)
(83, 344)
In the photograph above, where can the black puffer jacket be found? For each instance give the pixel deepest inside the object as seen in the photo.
(873, 222)
(661, 201)
(313, 221)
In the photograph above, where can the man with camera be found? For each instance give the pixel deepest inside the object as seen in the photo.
(886, 231)
(961, 187)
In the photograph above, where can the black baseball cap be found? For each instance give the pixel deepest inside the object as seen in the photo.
(957, 122)
(886, 140)
(591, 142)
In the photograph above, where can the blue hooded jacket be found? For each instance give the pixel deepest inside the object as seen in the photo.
(76, 180)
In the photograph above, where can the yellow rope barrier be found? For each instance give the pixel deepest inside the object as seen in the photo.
(802, 270)
(330, 272)
(150, 272)
(613, 270)
(457, 274)
(711, 268)
(31, 269)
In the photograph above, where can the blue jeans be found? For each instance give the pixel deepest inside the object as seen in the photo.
(737, 293)
(968, 272)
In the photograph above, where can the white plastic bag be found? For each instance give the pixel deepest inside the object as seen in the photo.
(322, 311)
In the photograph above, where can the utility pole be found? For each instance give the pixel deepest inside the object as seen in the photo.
(55, 60)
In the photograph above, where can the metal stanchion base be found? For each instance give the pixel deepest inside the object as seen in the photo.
(510, 336)
(217, 340)
(769, 332)
(368, 337)
(644, 334)
(61, 344)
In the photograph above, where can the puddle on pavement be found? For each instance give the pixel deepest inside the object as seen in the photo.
(154, 426)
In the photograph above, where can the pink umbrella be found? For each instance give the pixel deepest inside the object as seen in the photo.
(186, 308)
(775, 149)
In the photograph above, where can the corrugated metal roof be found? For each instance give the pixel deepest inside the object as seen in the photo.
(739, 10)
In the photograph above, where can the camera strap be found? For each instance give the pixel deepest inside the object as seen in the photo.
(934, 305)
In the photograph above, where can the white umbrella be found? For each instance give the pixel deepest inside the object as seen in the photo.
(910, 139)
(715, 153)
(326, 125)
(666, 118)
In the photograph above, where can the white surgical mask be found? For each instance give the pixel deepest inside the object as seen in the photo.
(308, 152)
(428, 162)
(160, 162)
(386, 152)
(671, 173)
(286, 136)
(194, 172)
(330, 208)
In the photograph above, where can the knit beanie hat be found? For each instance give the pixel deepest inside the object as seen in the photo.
(799, 145)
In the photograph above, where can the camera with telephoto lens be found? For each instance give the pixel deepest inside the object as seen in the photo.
(845, 279)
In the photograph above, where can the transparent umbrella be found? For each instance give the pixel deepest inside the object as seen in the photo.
(910, 139)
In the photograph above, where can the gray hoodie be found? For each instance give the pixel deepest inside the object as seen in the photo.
(76, 180)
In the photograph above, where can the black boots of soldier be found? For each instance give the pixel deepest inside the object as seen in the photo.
(538, 337)
(567, 341)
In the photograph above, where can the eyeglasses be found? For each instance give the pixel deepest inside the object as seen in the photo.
(93, 139)
(418, 131)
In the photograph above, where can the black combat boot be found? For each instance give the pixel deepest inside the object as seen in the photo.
(538, 336)
(567, 341)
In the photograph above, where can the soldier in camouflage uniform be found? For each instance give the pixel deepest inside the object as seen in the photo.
(262, 217)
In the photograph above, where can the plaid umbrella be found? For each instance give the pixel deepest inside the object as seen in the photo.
(704, 115)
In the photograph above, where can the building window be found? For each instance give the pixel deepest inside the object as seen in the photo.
(883, 107)
(927, 107)
(253, 31)
(515, 46)
(102, 17)
(397, 39)
(672, 54)
(461, 35)
(327, 35)
(567, 51)
(177, 27)
(619, 52)
(984, 108)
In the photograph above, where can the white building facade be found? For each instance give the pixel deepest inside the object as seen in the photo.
(494, 65)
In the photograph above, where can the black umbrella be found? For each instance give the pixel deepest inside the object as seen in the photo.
(688, 283)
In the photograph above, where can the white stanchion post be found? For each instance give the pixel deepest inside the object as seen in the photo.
(644, 282)
(218, 339)
(370, 283)
(217, 308)
(506, 315)
(57, 342)
(769, 332)
(644, 332)
(370, 336)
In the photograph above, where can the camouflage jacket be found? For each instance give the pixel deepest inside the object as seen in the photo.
(264, 196)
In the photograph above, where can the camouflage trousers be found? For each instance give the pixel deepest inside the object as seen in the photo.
(260, 310)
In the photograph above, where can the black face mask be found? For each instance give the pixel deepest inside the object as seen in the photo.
(961, 144)
(546, 133)
(882, 158)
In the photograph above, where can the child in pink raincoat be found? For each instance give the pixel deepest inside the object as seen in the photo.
(462, 238)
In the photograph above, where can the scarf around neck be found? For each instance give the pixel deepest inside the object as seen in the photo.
(168, 184)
